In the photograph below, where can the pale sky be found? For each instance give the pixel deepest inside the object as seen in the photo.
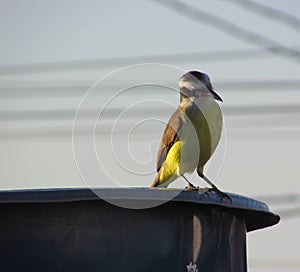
(51, 52)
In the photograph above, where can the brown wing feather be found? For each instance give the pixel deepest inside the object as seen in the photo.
(169, 137)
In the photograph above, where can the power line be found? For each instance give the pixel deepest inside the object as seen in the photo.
(280, 199)
(70, 89)
(259, 85)
(291, 199)
(231, 29)
(246, 110)
(65, 130)
(210, 56)
(261, 109)
(270, 12)
(289, 212)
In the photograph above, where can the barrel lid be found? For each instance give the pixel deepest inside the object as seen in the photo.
(256, 214)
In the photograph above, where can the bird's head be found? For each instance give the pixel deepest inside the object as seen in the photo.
(195, 84)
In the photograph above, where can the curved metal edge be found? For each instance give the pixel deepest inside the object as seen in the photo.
(256, 213)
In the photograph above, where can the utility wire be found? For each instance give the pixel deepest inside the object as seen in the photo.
(231, 29)
(289, 212)
(259, 85)
(210, 56)
(284, 199)
(70, 89)
(291, 198)
(176, 58)
(10, 115)
(64, 129)
(267, 11)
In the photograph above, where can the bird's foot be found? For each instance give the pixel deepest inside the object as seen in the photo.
(191, 186)
(221, 194)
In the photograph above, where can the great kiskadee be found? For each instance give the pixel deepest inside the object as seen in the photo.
(192, 133)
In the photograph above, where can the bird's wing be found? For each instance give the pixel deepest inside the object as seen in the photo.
(169, 137)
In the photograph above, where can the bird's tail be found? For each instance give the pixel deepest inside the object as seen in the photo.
(155, 183)
(162, 183)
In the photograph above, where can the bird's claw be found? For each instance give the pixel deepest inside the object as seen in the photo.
(192, 187)
(220, 194)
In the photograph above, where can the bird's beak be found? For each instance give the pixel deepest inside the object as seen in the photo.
(216, 96)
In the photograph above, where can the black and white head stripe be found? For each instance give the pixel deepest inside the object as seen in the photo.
(197, 81)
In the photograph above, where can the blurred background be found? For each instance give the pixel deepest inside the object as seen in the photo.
(53, 52)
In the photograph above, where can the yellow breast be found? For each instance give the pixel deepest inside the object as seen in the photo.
(198, 138)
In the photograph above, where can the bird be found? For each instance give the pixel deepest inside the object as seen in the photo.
(192, 133)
